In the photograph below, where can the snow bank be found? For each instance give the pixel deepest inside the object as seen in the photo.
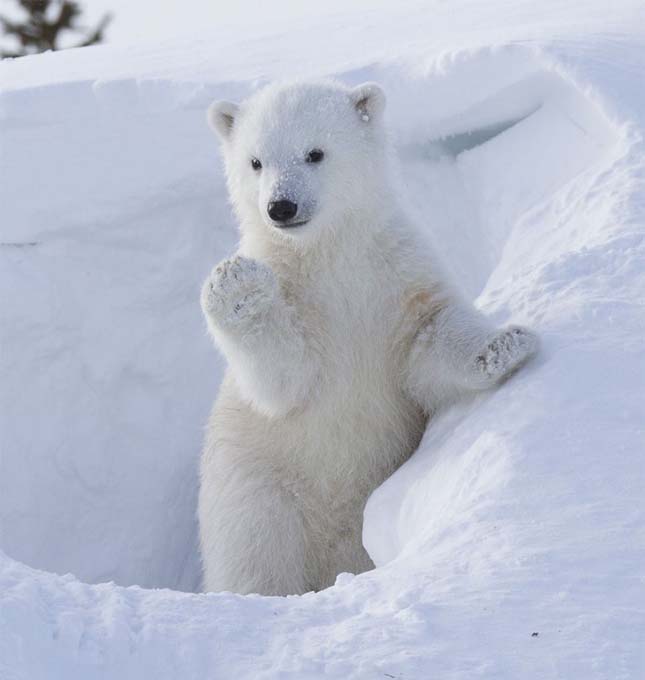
(521, 512)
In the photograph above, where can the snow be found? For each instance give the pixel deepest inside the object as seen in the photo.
(520, 134)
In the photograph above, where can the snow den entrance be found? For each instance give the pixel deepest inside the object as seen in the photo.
(110, 373)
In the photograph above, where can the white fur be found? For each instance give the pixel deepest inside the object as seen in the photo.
(341, 336)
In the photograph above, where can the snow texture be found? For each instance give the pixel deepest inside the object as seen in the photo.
(512, 543)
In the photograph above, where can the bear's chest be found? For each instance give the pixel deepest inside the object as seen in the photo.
(351, 322)
(352, 328)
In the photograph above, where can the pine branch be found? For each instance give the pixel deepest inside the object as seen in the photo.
(97, 35)
(37, 33)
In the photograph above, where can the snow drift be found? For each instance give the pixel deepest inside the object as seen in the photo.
(521, 512)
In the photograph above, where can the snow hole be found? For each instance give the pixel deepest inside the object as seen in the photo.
(109, 371)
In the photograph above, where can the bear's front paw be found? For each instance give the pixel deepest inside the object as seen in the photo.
(238, 291)
(504, 354)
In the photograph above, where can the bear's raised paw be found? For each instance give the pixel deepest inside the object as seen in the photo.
(238, 291)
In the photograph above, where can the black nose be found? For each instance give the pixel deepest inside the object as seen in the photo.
(281, 211)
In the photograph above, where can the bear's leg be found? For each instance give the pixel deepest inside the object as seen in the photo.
(251, 531)
(260, 335)
(460, 351)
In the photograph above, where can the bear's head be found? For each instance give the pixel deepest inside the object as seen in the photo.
(304, 159)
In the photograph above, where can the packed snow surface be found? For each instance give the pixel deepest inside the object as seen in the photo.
(512, 544)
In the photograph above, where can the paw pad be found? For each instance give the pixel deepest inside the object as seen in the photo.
(238, 289)
(506, 352)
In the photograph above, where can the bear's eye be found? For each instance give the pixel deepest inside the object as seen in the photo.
(255, 164)
(315, 156)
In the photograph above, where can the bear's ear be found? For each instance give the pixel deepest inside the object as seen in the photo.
(369, 101)
(221, 118)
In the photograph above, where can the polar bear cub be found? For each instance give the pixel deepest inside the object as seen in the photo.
(342, 337)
